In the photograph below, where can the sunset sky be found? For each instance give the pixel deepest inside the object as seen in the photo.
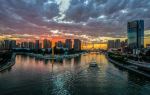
(89, 20)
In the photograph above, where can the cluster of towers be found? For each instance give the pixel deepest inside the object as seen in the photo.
(45, 44)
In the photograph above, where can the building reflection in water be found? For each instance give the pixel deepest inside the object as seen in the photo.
(69, 76)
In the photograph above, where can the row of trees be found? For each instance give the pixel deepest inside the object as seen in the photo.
(48, 51)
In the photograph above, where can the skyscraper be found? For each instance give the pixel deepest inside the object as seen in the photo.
(111, 44)
(13, 44)
(77, 44)
(26, 44)
(59, 44)
(117, 43)
(7, 44)
(37, 44)
(68, 44)
(136, 34)
(46, 44)
(1, 44)
(31, 45)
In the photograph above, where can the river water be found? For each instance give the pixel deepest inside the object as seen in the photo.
(31, 76)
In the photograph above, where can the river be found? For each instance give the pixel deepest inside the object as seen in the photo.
(31, 76)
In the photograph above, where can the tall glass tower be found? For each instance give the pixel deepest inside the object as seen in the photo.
(136, 34)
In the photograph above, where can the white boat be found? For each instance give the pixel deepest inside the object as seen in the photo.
(93, 64)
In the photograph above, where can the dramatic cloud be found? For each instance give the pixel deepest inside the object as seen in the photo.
(83, 17)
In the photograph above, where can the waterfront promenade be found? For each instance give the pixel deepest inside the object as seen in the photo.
(8, 63)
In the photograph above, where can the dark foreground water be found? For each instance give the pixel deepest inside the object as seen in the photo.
(30, 76)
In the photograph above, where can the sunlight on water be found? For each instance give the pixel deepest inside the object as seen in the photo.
(70, 77)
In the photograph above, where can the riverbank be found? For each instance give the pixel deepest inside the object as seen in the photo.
(130, 68)
(9, 63)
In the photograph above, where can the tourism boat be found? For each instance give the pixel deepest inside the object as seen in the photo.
(93, 64)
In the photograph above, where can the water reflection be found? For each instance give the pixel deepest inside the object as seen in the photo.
(132, 77)
(70, 77)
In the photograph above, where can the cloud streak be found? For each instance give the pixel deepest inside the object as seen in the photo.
(86, 17)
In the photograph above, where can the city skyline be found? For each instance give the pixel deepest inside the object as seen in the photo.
(46, 43)
(74, 47)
